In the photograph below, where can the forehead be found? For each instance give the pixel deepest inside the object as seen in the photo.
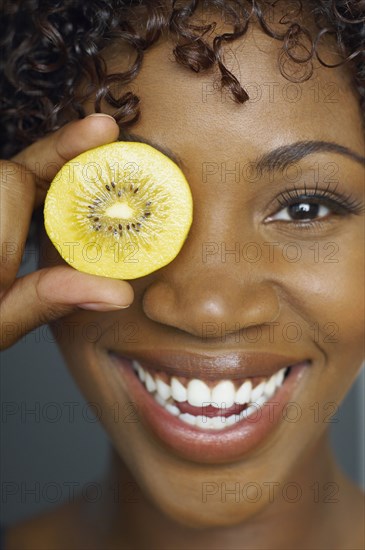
(190, 113)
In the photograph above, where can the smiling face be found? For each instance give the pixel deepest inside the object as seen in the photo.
(253, 277)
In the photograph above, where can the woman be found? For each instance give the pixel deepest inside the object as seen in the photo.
(266, 291)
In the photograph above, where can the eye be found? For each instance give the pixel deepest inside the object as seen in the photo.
(305, 208)
(302, 211)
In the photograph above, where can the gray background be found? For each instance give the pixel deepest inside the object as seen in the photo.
(47, 452)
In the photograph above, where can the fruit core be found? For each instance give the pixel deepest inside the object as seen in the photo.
(120, 210)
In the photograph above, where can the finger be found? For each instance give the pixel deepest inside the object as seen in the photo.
(45, 157)
(17, 193)
(50, 293)
(22, 189)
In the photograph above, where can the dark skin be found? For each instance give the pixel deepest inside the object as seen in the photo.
(171, 305)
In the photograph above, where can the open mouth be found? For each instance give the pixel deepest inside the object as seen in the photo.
(210, 408)
(210, 404)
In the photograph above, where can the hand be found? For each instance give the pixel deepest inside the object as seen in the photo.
(49, 293)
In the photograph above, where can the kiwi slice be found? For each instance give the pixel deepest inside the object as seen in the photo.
(122, 210)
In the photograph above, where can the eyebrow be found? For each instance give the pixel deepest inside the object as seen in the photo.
(276, 160)
(285, 155)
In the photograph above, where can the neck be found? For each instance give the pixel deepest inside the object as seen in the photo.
(301, 512)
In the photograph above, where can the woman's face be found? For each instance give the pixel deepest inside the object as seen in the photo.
(253, 289)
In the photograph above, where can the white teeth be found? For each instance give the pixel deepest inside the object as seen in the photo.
(223, 394)
(159, 399)
(218, 422)
(163, 389)
(261, 400)
(198, 393)
(202, 421)
(188, 418)
(178, 391)
(248, 411)
(172, 409)
(231, 419)
(280, 377)
(258, 391)
(150, 383)
(243, 394)
(141, 373)
(270, 386)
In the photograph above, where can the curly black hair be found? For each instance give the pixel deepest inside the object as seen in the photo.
(50, 46)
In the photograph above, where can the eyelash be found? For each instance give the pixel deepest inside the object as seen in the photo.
(339, 203)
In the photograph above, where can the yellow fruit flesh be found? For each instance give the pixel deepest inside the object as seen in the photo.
(122, 210)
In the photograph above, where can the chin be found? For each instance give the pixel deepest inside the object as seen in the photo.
(208, 515)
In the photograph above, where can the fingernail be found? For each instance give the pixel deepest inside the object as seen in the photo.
(102, 306)
(101, 114)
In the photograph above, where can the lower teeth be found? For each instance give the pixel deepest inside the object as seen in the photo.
(211, 423)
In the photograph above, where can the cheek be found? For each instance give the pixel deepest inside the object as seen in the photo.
(328, 293)
(337, 296)
(322, 280)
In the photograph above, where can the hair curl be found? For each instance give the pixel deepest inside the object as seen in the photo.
(50, 46)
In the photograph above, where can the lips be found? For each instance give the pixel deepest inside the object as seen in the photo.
(217, 443)
(214, 366)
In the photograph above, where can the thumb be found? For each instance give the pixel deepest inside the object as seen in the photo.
(50, 293)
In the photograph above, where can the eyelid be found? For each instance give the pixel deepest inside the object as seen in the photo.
(326, 196)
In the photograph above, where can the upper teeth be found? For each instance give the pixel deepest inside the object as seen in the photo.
(222, 394)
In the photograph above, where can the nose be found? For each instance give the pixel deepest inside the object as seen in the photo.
(197, 300)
